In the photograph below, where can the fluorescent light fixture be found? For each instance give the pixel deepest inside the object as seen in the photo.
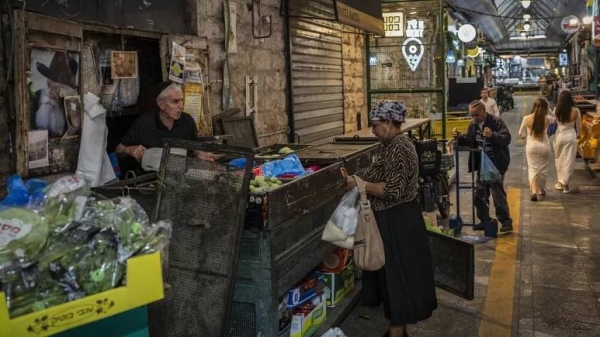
(587, 19)
(527, 25)
(412, 13)
(533, 37)
(526, 3)
(526, 17)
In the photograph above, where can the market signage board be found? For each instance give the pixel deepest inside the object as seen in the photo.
(563, 60)
(393, 23)
(361, 14)
(412, 48)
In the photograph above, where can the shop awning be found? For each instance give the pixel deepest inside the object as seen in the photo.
(361, 14)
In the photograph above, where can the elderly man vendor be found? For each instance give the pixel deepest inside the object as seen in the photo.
(150, 129)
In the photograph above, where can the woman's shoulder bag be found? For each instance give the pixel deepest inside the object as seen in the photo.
(368, 246)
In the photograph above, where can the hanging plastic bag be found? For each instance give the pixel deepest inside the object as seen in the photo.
(341, 227)
(488, 171)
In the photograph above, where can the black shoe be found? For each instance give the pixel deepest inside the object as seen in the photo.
(534, 197)
(506, 228)
(479, 227)
(387, 334)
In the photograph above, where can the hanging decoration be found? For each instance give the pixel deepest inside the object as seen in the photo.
(412, 48)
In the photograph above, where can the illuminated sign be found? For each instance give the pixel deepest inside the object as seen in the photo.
(393, 23)
(412, 48)
(563, 60)
(570, 24)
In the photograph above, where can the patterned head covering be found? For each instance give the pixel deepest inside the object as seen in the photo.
(389, 110)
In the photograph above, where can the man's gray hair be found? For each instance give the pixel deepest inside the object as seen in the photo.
(168, 91)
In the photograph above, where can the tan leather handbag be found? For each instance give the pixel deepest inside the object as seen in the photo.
(368, 246)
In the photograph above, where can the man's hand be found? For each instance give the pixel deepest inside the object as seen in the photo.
(487, 133)
(207, 156)
(455, 132)
(136, 151)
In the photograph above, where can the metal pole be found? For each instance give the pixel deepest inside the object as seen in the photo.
(288, 64)
(368, 73)
(443, 65)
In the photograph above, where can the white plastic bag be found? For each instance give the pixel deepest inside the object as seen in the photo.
(334, 332)
(341, 227)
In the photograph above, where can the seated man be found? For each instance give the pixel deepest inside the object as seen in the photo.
(150, 129)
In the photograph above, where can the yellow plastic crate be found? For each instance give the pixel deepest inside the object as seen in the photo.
(460, 123)
(144, 285)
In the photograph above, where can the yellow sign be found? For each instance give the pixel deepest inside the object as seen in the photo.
(141, 289)
(353, 17)
(393, 23)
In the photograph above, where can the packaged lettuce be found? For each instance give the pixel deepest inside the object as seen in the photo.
(23, 234)
(65, 202)
(99, 269)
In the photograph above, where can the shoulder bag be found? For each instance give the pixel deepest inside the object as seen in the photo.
(368, 246)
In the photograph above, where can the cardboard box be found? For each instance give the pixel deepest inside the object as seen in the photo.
(338, 285)
(305, 325)
(306, 290)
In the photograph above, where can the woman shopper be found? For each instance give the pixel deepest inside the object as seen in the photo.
(405, 284)
(565, 139)
(537, 149)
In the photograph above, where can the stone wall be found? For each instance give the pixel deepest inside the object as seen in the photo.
(263, 58)
(355, 85)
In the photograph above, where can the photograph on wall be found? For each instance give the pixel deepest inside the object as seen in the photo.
(73, 114)
(124, 64)
(54, 75)
(37, 149)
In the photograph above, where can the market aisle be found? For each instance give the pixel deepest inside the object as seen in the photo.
(543, 280)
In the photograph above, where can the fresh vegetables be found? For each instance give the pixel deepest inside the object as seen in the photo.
(285, 150)
(23, 233)
(72, 246)
(263, 184)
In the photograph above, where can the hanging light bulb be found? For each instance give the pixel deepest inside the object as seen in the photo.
(523, 34)
(527, 25)
(526, 3)
(587, 19)
(526, 17)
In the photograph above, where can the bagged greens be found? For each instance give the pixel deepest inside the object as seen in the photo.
(72, 245)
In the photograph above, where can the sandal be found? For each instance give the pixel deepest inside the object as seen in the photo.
(534, 197)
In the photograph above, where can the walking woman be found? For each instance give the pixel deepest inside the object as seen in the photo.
(537, 149)
(565, 139)
(405, 284)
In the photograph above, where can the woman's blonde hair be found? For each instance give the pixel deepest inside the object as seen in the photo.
(539, 111)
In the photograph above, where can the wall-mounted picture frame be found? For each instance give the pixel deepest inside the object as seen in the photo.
(124, 64)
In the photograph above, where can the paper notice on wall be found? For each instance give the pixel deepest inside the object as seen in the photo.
(193, 73)
(37, 149)
(177, 65)
(192, 103)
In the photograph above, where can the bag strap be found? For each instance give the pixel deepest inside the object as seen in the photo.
(361, 184)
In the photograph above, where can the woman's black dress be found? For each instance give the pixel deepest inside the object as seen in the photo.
(405, 284)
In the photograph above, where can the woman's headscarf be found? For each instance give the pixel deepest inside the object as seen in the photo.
(389, 110)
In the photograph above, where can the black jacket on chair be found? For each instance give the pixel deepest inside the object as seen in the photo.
(500, 141)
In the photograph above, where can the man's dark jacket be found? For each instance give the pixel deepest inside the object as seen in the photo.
(500, 140)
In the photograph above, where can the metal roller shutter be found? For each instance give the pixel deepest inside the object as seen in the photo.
(316, 65)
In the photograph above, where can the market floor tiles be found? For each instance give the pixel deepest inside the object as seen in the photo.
(543, 280)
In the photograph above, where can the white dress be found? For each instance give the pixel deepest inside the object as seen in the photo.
(538, 157)
(565, 149)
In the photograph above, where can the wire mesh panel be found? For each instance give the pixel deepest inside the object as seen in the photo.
(206, 202)
(453, 264)
(410, 58)
(419, 105)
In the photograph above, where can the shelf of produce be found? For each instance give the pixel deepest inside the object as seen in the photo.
(144, 286)
(338, 314)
